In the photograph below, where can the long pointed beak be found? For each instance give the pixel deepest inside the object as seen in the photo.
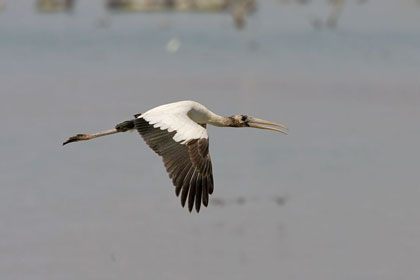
(254, 122)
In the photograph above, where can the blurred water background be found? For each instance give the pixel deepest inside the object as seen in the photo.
(338, 198)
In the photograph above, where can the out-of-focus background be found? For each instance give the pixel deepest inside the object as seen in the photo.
(338, 198)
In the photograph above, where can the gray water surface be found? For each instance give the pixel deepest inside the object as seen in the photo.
(338, 198)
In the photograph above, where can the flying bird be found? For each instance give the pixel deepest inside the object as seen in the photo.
(177, 132)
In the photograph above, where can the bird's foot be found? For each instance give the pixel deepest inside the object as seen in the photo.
(78, 137)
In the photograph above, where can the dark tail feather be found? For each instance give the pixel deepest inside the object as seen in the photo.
(125, 126)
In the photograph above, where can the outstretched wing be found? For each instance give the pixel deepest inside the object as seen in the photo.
(186, 159)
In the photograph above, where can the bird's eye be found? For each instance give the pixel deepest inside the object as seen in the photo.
(244, 118)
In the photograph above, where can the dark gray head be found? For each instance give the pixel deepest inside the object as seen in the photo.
(239, 121)
(247, 121)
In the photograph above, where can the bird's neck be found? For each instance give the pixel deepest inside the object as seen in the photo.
(217, 120)
(202, 115)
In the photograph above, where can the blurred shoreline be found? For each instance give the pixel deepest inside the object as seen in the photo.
(337, 198)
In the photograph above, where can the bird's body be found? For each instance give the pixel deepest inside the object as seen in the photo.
(177, 132)
(178, 116)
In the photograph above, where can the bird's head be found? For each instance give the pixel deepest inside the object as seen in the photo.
(247, 121)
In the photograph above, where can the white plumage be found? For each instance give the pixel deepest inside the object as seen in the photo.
(177, 132)
(182, 117)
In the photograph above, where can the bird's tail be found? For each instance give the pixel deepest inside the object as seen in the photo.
(125, 126)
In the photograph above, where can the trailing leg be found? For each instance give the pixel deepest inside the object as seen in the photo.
(121, 127)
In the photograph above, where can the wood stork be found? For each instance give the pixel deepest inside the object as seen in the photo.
(177, 132)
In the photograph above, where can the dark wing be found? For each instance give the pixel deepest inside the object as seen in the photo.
(188, 164)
